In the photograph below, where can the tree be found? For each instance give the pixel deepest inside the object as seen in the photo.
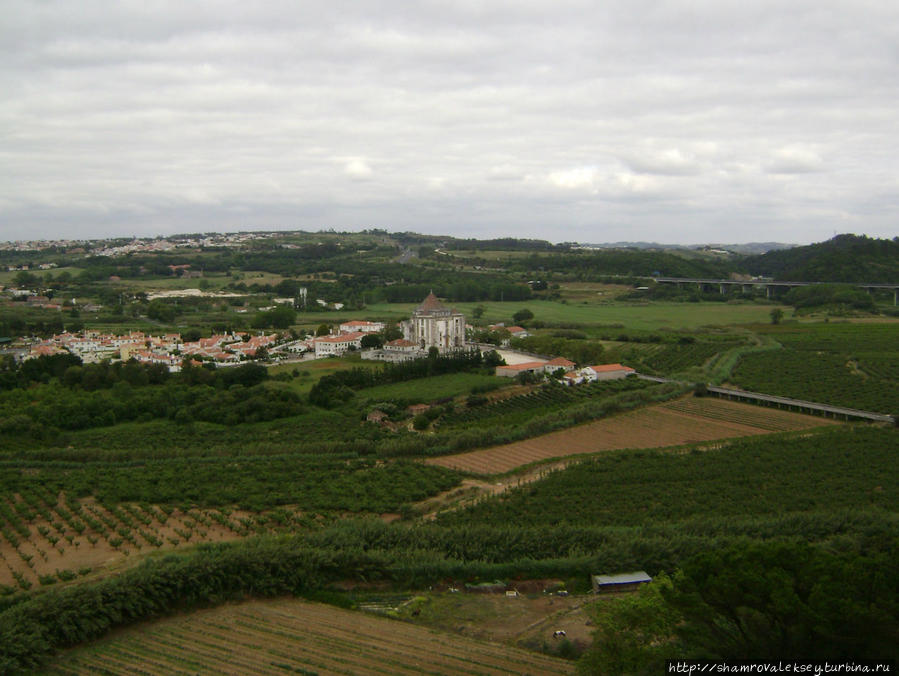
(24, 278)
(191, 335)
(392, 333)
(279, 318)
(493, 359)
(522, 316)
(768, 599)
(161, 311)
(478, 311)
(633, 635)
(323, 330)
(776, 315)
(282, 317)
(371, 341)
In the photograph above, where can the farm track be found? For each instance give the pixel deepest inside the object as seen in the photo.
(288, 635)
(683, 421)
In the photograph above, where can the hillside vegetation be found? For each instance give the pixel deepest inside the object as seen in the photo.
(845, 258)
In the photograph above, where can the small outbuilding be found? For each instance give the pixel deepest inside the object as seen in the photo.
(603, 584)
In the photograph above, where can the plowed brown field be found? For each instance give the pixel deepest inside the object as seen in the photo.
(293, 636)
(684, 421)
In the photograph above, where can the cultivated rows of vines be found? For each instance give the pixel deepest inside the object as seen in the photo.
(751, 416)
(673, 358)
(841, 468)
(852, 365)
(49, 537)
(542, 400)
(255, 483)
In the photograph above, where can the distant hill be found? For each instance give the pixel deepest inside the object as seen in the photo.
(596, 264)
(747, 248)
(845, 258)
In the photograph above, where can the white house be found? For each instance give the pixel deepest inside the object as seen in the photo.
(337, 345)
(605, 372)
(513, 370)
(362, 326)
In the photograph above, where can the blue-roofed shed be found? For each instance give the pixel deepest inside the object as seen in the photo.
(619, 582)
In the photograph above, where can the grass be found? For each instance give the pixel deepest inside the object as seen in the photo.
(312, 371)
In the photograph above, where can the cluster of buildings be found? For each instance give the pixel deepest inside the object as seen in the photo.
(169, 349)
(432, 325)
(572, 376)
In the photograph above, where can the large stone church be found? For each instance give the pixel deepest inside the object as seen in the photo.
(435, 325)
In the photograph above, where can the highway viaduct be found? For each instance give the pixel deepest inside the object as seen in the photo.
(769, 285)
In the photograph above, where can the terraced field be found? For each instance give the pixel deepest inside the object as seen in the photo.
(683, 421)
(293, 636)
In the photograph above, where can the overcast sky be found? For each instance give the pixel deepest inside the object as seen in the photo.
(683, 121)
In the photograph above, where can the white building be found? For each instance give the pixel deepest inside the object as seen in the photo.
(605, 372)
(361, 325)
(337, 345)
(435, 325)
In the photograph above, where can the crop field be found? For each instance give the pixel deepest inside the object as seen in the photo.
(809, 484)
(670, 359)
(522, 407)
(45, 542)
(293, 636)
(852, 365)
(683, 421)
(51, 535)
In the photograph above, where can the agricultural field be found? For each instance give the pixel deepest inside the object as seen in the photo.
(541, 400)
(592, 292)
(55, 526)
(294, 636)
(529, 619)
(683, 421)
(845, 364)
(825, 474)
(164, 496)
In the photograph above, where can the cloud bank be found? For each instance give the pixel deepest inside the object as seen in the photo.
(669, 121)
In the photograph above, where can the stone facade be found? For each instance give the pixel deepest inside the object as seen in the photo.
(435, 325)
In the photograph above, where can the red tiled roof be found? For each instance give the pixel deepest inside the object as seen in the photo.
(560, 361)
(603, 368)
(430, 304)
(523, 366)
(401, 342)
(342, 338)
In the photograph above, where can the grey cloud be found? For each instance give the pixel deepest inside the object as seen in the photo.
(673, 119)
